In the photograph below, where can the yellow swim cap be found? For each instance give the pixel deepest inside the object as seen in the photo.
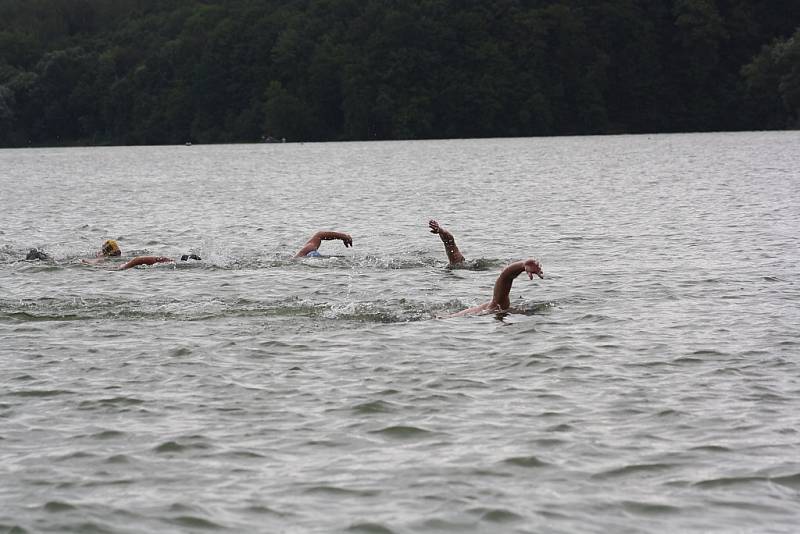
(110, 248)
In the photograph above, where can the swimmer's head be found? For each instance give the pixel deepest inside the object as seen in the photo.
(35, 254)
(187, 257)
(111, 248)
(533, 267)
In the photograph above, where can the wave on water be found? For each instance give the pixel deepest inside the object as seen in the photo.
(55, 309)
(395, 310)
(384, 311)
(9, 255)
(533, 308)
(212, 306)
(480, 264)
(62, 258)
(408, 260)
(248, 262)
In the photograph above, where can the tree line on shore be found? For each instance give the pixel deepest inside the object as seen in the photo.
(171, 71)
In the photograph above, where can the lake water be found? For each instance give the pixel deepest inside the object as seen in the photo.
(650, 382)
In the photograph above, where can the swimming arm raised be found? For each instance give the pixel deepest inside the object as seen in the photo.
(453, 254)
(502, 287)
(317, 239)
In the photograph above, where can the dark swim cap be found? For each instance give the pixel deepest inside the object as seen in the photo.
(190, 257)
(34, 254)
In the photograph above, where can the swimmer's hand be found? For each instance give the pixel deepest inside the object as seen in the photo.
(446, 236)
(347, 240)
(532, 267)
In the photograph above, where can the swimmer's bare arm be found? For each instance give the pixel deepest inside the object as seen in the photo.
(145, 260)
(453, 254)
(317, 239)
(502, 287)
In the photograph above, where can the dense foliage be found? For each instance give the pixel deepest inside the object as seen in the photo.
(168, 71)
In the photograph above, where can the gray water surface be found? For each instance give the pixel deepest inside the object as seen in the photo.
(648, 384)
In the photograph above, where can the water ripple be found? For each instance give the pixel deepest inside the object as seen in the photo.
(641, 386)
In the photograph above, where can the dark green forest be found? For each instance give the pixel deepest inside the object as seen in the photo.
(170, 71)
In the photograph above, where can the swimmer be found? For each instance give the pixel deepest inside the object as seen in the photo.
(110, 249)
(502, 287)
(36, 254)
(309, 250)
(454, 256)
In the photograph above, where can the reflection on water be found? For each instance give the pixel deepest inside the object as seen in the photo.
(646, 384)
